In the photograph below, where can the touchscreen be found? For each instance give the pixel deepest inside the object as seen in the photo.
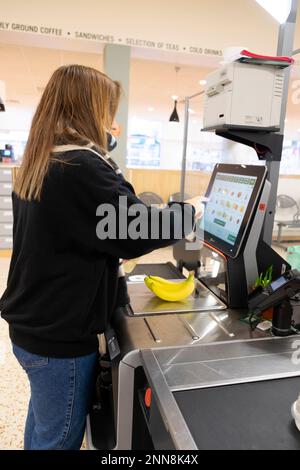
(228, 202)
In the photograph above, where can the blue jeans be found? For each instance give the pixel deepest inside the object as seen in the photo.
(61, 392)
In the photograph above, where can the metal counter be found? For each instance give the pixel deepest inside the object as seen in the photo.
(189, 331)
(235, 395)
(182, 355)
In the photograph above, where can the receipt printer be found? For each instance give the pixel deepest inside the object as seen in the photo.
(244, 95)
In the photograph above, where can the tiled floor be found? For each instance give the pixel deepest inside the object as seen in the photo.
(14, 390)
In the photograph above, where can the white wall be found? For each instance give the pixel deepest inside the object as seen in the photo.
(14, 128)
(177, 25)
(2, 90)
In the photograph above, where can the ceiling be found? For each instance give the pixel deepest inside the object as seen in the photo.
(26, 70)
(152, 83)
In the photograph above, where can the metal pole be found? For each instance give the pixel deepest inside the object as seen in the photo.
(185, 140)
(186, 102)
(192, 96)
(285, 48)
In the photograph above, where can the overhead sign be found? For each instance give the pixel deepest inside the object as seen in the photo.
(109, 38)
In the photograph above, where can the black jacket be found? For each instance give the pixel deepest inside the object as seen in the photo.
(62, 280)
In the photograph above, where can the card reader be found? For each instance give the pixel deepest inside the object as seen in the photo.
(278, 295)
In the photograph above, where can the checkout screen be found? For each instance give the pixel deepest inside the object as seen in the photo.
(228, 202)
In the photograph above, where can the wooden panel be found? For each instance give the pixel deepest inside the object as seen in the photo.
(166, 182)
(290, 177)
(5, 253)
(196, 183)
(162, 182)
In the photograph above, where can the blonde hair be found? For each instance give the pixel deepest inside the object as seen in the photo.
(78, 104)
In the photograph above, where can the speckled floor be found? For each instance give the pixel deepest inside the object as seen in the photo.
(14, 389)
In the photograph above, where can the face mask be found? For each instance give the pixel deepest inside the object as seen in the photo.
(111, 142)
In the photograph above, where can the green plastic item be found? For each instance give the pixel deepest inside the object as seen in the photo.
(293, 257)
(265, 279)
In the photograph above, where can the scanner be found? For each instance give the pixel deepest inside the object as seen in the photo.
(278, 295)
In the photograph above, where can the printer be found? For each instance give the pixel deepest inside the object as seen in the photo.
(244, 95)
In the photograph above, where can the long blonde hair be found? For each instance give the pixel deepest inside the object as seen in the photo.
(79, 103)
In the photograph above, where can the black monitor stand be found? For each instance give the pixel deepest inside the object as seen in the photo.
(237, 275)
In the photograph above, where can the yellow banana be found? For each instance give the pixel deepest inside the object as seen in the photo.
(162, 280)
(169, 290)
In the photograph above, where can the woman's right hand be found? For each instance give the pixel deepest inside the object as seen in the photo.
(198, 203)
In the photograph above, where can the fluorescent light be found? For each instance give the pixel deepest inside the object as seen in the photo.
(279, 9)
(202, 82)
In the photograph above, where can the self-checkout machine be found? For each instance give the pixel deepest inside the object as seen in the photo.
(243, 103)
(170, 347)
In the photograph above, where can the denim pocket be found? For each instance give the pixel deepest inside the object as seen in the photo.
(29, 360)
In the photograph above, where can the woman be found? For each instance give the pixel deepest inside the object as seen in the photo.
(63, 278)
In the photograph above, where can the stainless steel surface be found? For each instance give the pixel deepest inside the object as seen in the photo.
(220, 324)
(211, 365)
(224, 363)
(144, 302)
(133, 333)
(150, 328)
(167, 405)
(134, 336)
(125, 401)
(190, 329)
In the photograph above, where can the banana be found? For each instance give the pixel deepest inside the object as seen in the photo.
(161, 280)
(170, 291)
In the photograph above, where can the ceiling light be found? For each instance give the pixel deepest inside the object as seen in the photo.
(279, 9)
(202, 82)
(150, 109)
(174, 116)
(13, 101)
